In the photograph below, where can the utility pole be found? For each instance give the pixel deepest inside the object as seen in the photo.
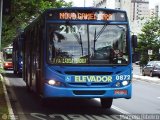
(84, 3)
(1, 9)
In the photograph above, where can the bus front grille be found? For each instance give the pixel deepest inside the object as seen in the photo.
(87, 92)
(88, 84)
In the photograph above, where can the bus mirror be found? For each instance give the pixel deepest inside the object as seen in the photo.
(134, 41)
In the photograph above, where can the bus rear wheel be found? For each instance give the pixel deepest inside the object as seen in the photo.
(106, 102)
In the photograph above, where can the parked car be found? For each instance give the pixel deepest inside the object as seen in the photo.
(152, 69)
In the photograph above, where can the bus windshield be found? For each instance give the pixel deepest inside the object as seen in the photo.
(87, 44)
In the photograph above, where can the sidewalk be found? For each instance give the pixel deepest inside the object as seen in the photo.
(6, 112)
(138, 75)
(3, 103)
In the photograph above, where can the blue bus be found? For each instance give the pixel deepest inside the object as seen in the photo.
(17, 54)
(79, 53)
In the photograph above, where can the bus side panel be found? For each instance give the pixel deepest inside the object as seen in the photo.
(33, 56)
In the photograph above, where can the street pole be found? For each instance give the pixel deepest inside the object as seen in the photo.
(84, 3)
(1, 9)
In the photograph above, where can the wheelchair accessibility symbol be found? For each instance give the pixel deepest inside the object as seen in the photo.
(68, 78)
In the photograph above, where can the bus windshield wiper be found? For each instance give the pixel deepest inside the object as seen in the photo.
(79, 40)
(98, 35)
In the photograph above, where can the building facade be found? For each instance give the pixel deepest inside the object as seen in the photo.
(139, 14)
(152, 12)
(137, 10)
(157, 11)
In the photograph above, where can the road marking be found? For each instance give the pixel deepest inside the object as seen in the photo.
(158, 97)
(116, 108)
(120, 110)
(123, 112)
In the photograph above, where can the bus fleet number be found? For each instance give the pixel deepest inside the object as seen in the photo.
(123, 77)
(72, 29)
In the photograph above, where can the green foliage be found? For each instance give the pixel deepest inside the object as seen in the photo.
(149, 39)
(22, 12)
(1, 68)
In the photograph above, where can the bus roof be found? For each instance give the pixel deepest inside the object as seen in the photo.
(85, 8)
(76, 9)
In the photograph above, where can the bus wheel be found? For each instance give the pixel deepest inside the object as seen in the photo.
(19, 74)
(44, 102)
(106, 102)
(28, 88)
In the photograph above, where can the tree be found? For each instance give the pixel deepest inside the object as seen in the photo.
(23, 11)
(149, 39)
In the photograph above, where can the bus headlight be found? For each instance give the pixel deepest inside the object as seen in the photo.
(54, 83)
(124, 83)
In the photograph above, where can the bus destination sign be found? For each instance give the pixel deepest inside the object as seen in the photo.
(89, 15)
(84, 16)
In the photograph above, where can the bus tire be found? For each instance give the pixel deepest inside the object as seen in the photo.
(44, 102)
(20, 74)
(28, 88)
(106, 102)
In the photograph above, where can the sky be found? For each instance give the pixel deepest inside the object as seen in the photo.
(152, 3)
(80, 3)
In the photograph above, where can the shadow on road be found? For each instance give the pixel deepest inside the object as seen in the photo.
(30, 103)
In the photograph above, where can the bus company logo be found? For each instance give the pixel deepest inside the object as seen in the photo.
(68, 78)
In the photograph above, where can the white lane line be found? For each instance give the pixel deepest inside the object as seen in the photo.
(158, 97)
(11, 114)
(116, 108)
(120, 110)
(123, 112)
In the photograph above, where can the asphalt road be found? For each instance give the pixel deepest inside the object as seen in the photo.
(145, 99)
(27, 106)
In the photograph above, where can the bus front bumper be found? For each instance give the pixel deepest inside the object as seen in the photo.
(53, 92)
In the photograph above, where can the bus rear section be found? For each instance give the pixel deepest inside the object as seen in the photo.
(82, 53)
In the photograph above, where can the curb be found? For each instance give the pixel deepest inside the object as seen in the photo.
(147, 79)
(10, 110)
